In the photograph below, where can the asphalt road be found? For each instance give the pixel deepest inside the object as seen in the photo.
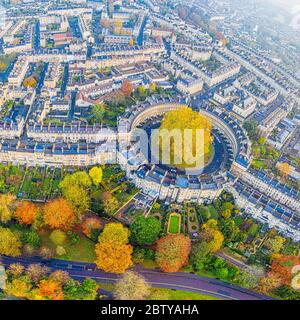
(180, 280)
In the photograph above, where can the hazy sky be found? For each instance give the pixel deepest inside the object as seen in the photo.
(286, 3)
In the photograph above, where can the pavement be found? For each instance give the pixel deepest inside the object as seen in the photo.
(180, 280)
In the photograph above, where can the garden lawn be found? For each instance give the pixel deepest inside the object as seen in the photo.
(174, 224)
(149, 264)
(259, 164)
(83, 251)
(181, 295)
(169, 293)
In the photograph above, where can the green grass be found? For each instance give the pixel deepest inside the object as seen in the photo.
(166, 294)
(174, 224)
(149, 264)
(107, 286)
(238, 220)
(83, 251)
(170, 294)
(258, 164)
(213, 212)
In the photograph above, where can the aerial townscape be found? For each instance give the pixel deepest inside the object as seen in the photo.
(85, 212)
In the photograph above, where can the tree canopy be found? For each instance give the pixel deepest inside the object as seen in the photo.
(6, 207)
(115, 233)
(96, 175)
(75, 189)
(113, 257)
(182, 119)
(212, 235)
(26, 213)
(132, 286)
(172, 252)
(113, 253)
(199, 254)
(97, 113)
(10, 243)
(127, 88)
(145, 230)
(59, 214)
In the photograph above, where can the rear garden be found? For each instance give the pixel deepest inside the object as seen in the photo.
(6, 60)
(174, 223)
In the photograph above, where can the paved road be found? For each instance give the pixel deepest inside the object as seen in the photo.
(180, 280)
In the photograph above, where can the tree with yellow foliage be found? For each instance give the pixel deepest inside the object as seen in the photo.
(19, 287)
(131, 42)
(274, 244)
(211, 234)
(110, 203)
(6, 207)
(115, 233)
(113, 257)
(113, 251)
(153, 87)
(96, 175)
(3, 66)
(141, 89)
(180, 120)
(10, 243)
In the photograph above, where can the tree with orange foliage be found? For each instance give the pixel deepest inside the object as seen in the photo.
(113, 257)
(113, 251)
(30, 82)
(267, 284)
(284, 168)
(281, 267)
(59, 214)
(172, 252)
(90, 224)
(50, 289)
(26, 213)
(127, 88)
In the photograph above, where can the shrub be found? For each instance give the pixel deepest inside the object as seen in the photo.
(58, 237)
(60, 250)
